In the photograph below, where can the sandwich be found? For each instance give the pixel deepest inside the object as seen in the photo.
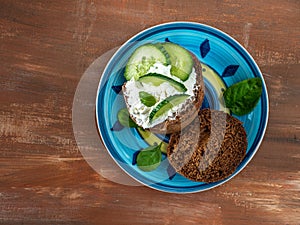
(164, 87)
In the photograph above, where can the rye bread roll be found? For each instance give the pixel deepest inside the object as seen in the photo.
(185, 114)
(210, 148)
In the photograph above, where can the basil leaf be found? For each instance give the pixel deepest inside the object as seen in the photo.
(124, 118)
(147, 99)
(149, 158)
(242, 97)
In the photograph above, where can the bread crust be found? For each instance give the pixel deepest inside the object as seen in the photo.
(210, 148)
(189, 111)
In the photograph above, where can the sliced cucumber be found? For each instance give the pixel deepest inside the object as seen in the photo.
(156, 79)
(180, 59)
(167, 104)
(160, 46)
(152, 139)
(142, 59)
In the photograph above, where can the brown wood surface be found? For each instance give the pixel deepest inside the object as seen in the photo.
(45, 47)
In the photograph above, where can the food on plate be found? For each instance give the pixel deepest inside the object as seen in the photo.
(210, 148)
(242, 97)
(152, 139)
(149, 158)
(163, 92)
(164, 88)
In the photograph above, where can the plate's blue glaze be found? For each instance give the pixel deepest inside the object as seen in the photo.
(225, 56)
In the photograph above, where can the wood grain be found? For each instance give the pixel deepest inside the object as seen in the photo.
(45, 47)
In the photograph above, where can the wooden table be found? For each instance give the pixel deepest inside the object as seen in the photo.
(45, 48)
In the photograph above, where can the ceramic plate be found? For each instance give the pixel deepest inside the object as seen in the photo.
(224, 62)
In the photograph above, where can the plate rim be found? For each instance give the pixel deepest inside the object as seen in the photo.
(241, 166)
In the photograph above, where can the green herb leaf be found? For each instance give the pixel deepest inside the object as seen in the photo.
(242, 97)
(149, 158)
(124, 118)
(147, 99)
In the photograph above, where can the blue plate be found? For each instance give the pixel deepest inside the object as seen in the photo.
(224, 62)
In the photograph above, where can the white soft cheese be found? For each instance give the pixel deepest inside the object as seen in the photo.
(141, 112)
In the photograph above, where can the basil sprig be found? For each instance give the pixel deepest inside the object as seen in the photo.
(124, 118)
(242, 97)
(147, 99)
(149, 158)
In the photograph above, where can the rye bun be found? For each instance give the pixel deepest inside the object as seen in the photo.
(210, 148)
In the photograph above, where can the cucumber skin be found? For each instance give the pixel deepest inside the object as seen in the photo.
(169, 52)
(174, 51)
(167, 102)
(178, 86)
(140, 60)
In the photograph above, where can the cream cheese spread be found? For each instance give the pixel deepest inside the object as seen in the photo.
(141, 112)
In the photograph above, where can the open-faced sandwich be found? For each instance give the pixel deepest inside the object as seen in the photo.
(164, 88)
(163, 92)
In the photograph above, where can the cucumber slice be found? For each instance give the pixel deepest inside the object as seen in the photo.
(167, 104)
(156, 79)
(142, 59)
(164, 51)
(180, 59)
(152, 139)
